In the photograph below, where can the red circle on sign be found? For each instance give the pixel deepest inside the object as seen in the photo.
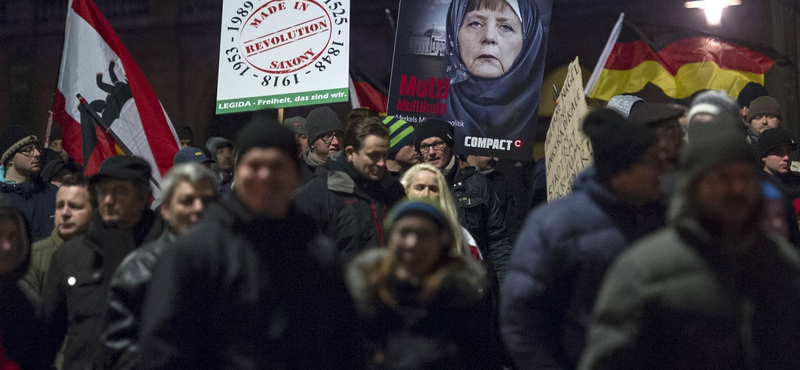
(283, 36)
(518, 143)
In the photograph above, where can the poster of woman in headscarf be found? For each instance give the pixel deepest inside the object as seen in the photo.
(476, 63)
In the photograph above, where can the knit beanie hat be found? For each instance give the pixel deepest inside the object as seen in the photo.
(266, 133)
(401, 133)
(708, 151)
(321, 121)
(764, 105)
(751, 92)
(184, 132)
(297, 124)
(417, 207)
(622, 104)
(616, 143)
(774, 138)
(12, 139)
(433, 127)
(653, 114)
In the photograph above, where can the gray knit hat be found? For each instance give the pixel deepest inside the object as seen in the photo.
(623, 104)
(764, 105)
(321, 121)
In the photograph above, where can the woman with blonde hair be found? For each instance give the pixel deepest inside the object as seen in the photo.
(423, 180)
(421, 305)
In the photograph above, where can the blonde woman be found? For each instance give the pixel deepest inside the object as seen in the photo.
(426, 181)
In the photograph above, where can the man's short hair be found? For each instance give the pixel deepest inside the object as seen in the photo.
(360, 129)
(192, 173)
(75, 180)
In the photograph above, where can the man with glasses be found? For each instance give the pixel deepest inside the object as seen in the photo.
(478, 210)
(20, 181)
(324, 138)
(664, 120)
(350, 203)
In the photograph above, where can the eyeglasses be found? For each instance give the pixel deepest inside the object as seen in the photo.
(436, 145)
(327, 138)
(28, 150)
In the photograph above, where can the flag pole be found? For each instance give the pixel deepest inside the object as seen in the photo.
(108, 129)
(598, 68)
(280, 115)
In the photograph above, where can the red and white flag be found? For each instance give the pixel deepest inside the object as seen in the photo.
(96, 65)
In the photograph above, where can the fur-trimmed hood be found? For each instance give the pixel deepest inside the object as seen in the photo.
(465, 285)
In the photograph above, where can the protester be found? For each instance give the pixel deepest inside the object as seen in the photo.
(221, 150)
(663, 119)
(566, 246)
(710, 291)
(478, 211)
(764, 113)
(21, 332)
(75, 292)
(749, 92)
(423, 306)
(185, 136)
(350, 203)
(21, 184)
(501, 188)
(324, 138)
(401, 146)
(297, 125)
(254, 285)
(57, 169)
(491, 54)
(187, 189)
(73, 210)
(424, 181)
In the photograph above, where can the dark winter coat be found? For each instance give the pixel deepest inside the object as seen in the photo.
(480, 213)
(348, 207)
(243, 291)
(559, 261)
(679, 300)
(76, 291)
(38, 200)
(120, 345)
(41, 255)
(452, 330)
(309, 168)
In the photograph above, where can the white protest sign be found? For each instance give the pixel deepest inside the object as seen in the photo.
(567, 149)
(282, 53)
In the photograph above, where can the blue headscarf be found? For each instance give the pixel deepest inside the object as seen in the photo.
(501, 107)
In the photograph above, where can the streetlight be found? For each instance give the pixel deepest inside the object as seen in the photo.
(713, 9)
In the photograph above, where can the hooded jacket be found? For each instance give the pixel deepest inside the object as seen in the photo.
(243, 291)
(559, 261)
(451, 330)
(348, 207)
(37, 199)
(76, 290)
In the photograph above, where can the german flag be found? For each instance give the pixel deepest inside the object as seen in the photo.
(680, 61)
(366, 93)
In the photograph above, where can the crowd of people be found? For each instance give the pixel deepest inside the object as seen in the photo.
(371, 244)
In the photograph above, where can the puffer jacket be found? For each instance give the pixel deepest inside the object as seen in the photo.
(349, 208)
(481, 214)
(120, 347)
(451, 330)
(38, 200)
(679, 299)
(559, 261)
(76, 290)
(244, 291)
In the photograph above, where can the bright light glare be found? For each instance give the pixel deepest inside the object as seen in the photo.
(713, 9)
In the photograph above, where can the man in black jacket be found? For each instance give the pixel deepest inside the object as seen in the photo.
(351, 201)
(75, 293)
(478, 211)
(187, 189)
(254, 285)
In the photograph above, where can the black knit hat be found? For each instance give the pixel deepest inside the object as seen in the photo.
(321, 121)
(764, 105)
(616, 143)
(774, 138)
(12, 139)
(751, 92)
(653, 114)
(433, 127)
(265, 133)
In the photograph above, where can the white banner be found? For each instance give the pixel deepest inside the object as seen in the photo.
(283, 53)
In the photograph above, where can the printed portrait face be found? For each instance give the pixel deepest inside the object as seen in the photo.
(490, 39)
